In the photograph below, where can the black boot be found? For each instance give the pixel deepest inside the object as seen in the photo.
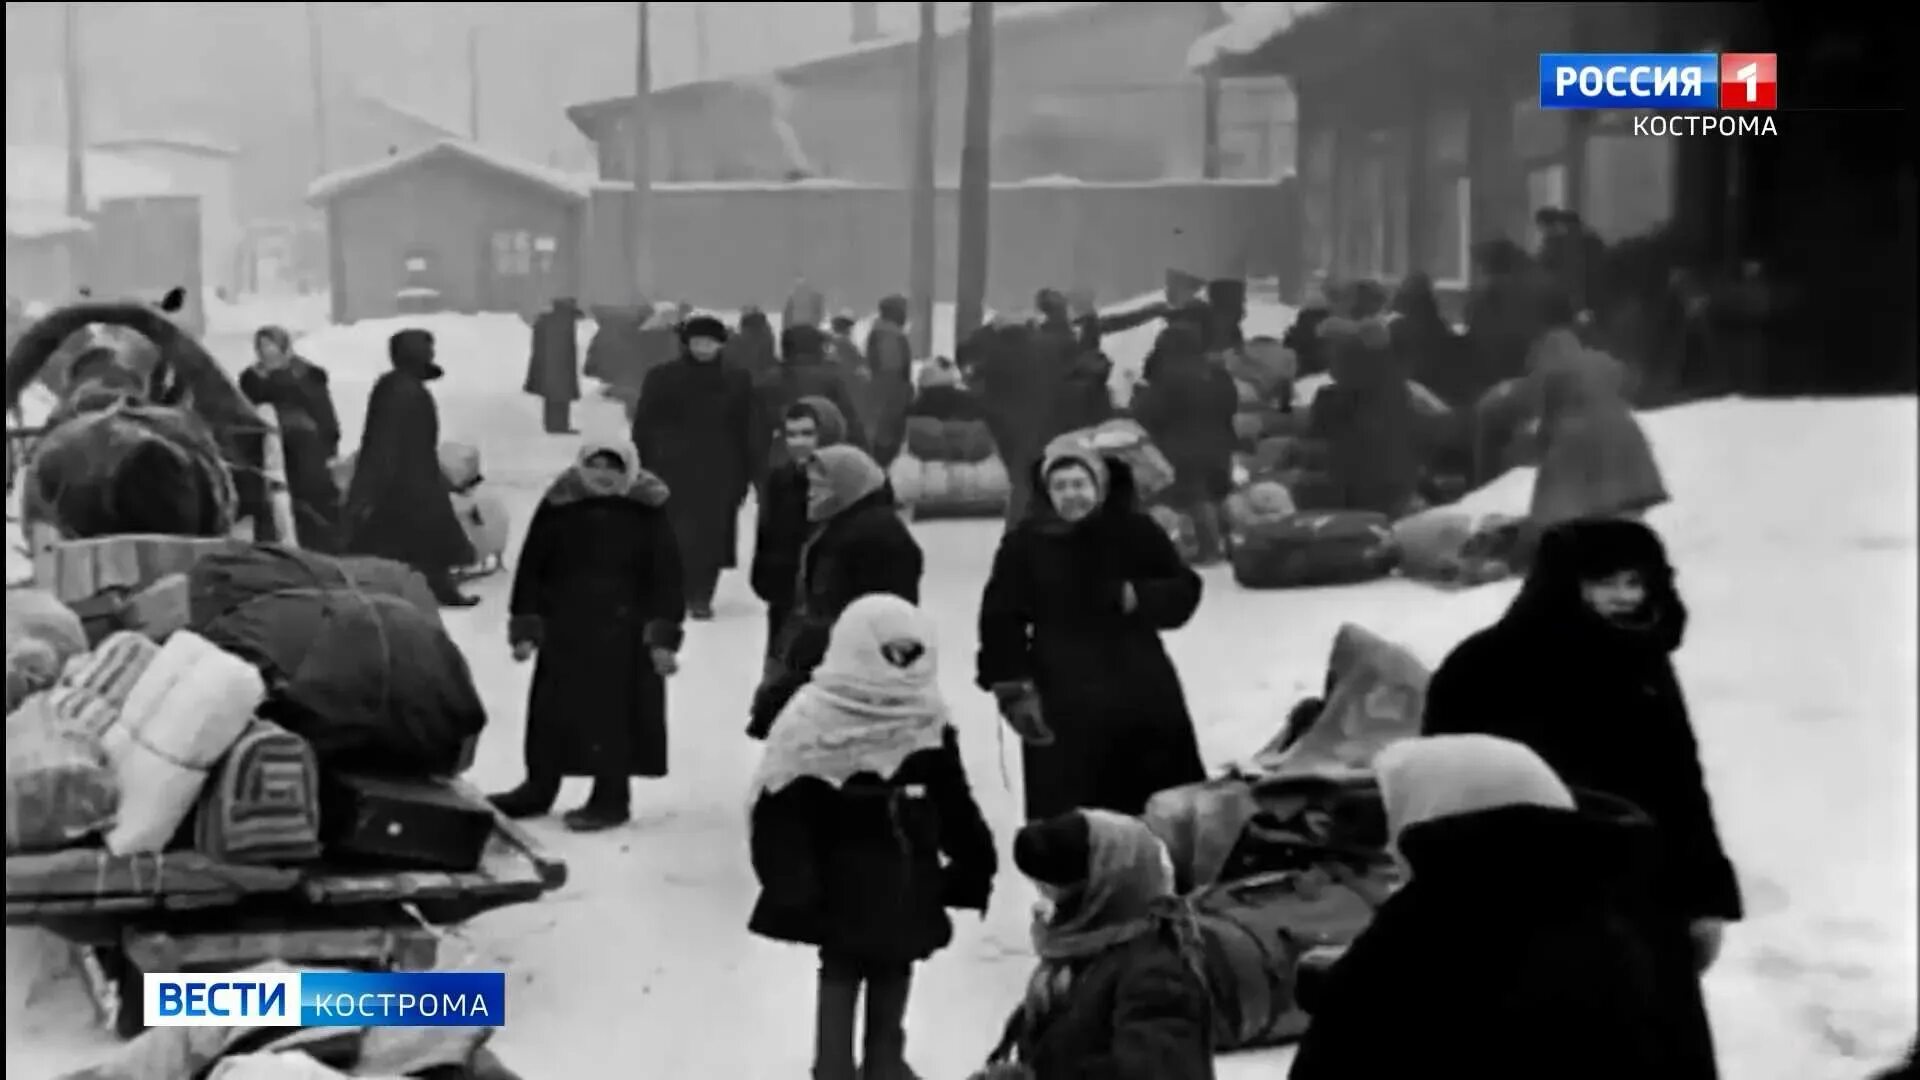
(531, 799)
(836, 999)
(447, 593)
(883, 1048)
(606, 808)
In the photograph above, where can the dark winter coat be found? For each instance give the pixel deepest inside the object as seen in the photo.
(695, 428)
(889, 388)
(868, 870)
(1428, 348)
(398, 506)
(597, 587)
(782, 528)
(804, 371)
(309, 438)
(1507, 957)
(1602, 705)
(865, 548)
(751, 348)
(1051, 615)
(1367, 418)
(613, 353)
(1188, 411)
(553, 363)
(1135, 1012)
(1303, 337)
(1595, 460)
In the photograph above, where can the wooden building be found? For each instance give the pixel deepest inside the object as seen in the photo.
(1420, 133)
(454, 227)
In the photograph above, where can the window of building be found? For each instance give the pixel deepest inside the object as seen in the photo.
(1257, 122)
(512, 253)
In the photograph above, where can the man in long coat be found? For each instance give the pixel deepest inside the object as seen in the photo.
(398, 506)
(553, 369)
(696, 428)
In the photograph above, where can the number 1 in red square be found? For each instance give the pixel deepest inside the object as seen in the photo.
(1748, 81)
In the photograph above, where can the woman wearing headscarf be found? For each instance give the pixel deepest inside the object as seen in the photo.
(856, 545)
(865, 831)
(1070, 626)
(597, 597)
(1118, 992)
(1507, 955)
(1595, 460)
(1580, 669)
(309, 432)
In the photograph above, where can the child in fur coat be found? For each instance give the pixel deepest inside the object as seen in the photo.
(864, 830)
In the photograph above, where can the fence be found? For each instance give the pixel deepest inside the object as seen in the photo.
(726, 245)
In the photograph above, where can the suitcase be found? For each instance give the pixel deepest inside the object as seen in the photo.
(389, 821)
(1315, 548)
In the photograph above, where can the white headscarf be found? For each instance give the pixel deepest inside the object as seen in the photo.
(873, 701)
(1443, 776)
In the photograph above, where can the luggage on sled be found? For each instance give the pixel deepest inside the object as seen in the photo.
(1313, 548)
(950, 489)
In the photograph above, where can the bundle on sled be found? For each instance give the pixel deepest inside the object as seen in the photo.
(1457, 548)
(1285, 857)
(1312, 548)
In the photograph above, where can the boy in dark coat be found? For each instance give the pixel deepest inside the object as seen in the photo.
(781, 532)
(1070, 625)
(696, 428)
(597, 596)
(1580, 669)
(856, 545)
(1507, 956)
(553, 366)
(309, 432)
(398, 506)
(864, 830)
(805, 372)
(1118, 992)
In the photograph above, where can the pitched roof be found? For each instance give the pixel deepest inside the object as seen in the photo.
(185, 141)
(34, 223)
(586, 115)
(37, 176)
(565, 185)
(1248, 27)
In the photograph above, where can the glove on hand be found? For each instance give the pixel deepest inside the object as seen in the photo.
(1020, 706)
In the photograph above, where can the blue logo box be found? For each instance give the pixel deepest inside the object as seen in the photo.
(1630, 81)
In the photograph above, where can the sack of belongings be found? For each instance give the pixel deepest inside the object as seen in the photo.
(113, 668)
(483, 516)
(262, 805)
(1457, 548)
(1313, 548)
(460, 464)
(130, 468)
(1255, 931)
(950, 489)
(356, 660)
(931, 439)
(60, 786)
(42, 634)
(1256, 504)
(1127, 442)
(182, 715)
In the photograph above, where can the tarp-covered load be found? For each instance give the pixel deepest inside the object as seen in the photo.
(356, 660)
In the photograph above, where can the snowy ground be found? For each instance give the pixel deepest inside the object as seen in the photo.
(1798, 558)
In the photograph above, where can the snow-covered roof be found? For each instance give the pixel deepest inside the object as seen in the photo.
(36, 223)
(1248, 27)
(565, 184)
(1007, 15)
(189, 142)
(37, 176)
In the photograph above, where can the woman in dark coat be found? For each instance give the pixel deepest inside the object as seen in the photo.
(1188, 410)
(1070, 627)
(781, 531)
(1580, 669)
(309, 432)
(696, 428)
(1118, 993)
(865, 831)
(1366, 416)
(858, 545)
(597, 596)
(398, 506)
(553, 365)
(1508, 955)
(751, 348)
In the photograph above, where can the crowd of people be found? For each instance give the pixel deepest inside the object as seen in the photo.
(864, 831)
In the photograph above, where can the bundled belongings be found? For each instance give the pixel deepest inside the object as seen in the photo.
(1313, 548)
(60, 786)
(1453, 547)
(78, 570)
(262, 805)
(1376, 694)
(131, 467)
(113, 668)
(483, 517)
(355, 658)
(1257, 504)
(42, 635)
(931, 439)
(1126, 441)
(935, 489)
(460, 464)
(185, 711)
(384, 820)
(1256, 932)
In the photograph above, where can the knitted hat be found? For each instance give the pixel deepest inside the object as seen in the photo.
(703, 326)
(1057, 851)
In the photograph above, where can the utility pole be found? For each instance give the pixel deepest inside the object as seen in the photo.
(640, 155)
(74, 91)
(473, 82)
(1214, 15)
(976, 174)
(702, 47)
(922, 256)
(317, 73)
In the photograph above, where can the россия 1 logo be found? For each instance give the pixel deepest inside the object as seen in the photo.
(1659, 81)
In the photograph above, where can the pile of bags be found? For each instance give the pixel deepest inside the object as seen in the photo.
(218, 720)
(1312, 548)
(951, 489)
(130, 468)
(1263, 373)
(933, 439)
(1286, 857)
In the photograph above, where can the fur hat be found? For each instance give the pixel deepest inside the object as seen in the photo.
(1057, 851)
(706, 326)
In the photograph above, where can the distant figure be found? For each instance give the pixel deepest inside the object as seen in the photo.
(309, 432)
(553, 368)
(805, 306)
(398, 506)
(752, 348)
(840, 345)
(890, 381)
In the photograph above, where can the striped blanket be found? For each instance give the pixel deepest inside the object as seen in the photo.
(262, 804)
